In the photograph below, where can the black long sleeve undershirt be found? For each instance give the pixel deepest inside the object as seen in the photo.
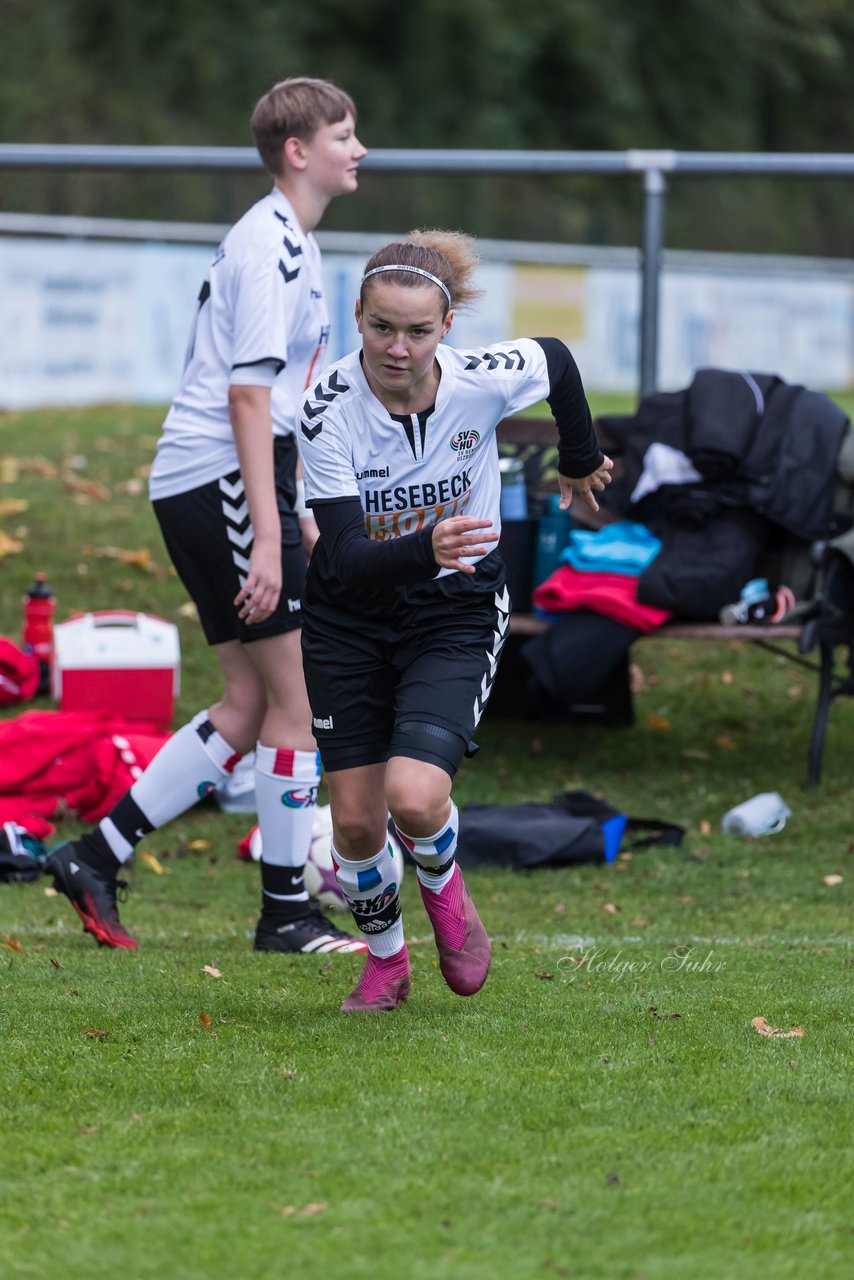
(578, 449)
(360, 561)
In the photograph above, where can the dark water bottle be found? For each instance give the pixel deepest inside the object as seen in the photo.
(37, 631)
(553, 528)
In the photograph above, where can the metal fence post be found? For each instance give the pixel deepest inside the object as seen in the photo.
(654, 186)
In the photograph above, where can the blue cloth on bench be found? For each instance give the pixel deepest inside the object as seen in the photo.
(625, 547)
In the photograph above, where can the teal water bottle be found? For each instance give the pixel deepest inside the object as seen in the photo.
(553, 528)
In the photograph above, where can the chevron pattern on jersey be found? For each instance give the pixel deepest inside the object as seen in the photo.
(499, 635)
(238, 526)
(323, 394)
(500, 359)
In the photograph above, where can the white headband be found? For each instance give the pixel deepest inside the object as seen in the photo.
(416, 271)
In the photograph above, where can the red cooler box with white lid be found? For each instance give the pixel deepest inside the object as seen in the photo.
(119, 661)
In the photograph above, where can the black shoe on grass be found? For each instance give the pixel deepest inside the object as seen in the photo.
(310, 933)
(91, 894)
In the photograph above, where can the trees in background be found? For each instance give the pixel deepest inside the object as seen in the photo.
(751, 75)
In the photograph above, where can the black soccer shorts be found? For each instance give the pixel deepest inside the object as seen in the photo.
(414, 656)
(209, 539)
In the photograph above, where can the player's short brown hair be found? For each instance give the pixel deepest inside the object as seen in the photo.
(296, 108)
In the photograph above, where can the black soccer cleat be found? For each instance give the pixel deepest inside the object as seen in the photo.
(91, 894)
(310, 934)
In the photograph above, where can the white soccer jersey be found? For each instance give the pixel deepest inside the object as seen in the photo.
(261, 321)
(410, 471)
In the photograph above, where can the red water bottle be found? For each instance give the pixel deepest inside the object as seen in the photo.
(37, 632)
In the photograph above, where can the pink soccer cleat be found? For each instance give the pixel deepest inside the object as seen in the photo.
(384, 984)
(462, 941)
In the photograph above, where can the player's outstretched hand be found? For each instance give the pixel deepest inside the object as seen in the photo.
(259, 595)
(461, 536)
(584, 486)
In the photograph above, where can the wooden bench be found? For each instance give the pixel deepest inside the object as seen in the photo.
(534, 440)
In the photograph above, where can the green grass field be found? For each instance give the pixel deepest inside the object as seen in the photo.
(604, 1108)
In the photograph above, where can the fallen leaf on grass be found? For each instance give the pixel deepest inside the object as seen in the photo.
(205, 1020)
(763, 1028)
(188, 611)
(704, 827)
(95, 1032)
(50, 892)
(140, 559)
(545, 977)
(659, 724)
(85, 490)
(725, 741)
(832, 880)
(612, 1179)
(89, 1128)
(696, 753)
(726, 677)
(56, 964)
(560, 909)
(211, 970)
(307, 1211)
(9, 546)
(11, 944)
(289, 1075)
(610, 907)
(13, 506)
(198, 845)
(662, 1017)
(154, 865)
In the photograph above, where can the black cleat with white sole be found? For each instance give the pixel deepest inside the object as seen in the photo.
(308, 934)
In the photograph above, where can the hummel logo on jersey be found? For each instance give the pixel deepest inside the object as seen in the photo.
(326, 393)
(333, 388)
(293, 605)
(322, 724)
(512, 359)
(73, 868)
(288, 275)
(378, 473)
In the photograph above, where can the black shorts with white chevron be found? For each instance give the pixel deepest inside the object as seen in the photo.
(424, 654)
(208, 535)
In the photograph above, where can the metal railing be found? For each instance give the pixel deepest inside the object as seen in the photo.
(652, 167)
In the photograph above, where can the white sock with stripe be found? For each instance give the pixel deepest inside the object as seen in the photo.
(373, 895)
(434, 856)
(186, 769)
(286, 784)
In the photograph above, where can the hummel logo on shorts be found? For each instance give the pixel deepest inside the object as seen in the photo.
(322, 724)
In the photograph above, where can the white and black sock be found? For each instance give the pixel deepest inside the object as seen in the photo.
(186, 768)
(434, 856)
(286, 784)
(373, 896)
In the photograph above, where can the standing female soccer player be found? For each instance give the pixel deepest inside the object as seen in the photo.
(406, 607)
(225, 491)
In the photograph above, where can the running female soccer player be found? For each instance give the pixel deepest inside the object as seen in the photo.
(406, 608)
